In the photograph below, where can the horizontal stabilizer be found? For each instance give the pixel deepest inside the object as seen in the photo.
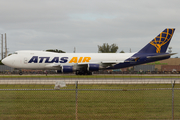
(161, 56)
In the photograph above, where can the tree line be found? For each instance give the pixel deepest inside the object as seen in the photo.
(106, 48)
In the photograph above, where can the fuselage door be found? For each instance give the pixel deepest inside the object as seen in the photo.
(25, 60)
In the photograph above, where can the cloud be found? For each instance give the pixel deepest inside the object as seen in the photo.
(65, 24)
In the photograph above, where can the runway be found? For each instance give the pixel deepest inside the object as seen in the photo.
(89, 80)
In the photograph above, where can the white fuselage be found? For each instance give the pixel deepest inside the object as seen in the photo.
(50, 60)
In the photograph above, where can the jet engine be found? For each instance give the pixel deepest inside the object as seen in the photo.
(93, 67)
(67, 69)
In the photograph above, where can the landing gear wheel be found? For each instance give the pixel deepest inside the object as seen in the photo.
(89, 73)
(83, 73)
(20, 73)
(77, 72)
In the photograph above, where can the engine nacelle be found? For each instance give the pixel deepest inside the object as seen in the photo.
(67, 69)
(93, 67)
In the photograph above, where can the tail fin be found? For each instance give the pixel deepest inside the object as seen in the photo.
(160, 43)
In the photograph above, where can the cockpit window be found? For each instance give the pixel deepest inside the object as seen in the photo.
(15, 53)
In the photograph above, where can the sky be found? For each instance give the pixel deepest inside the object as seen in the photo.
(85, 24)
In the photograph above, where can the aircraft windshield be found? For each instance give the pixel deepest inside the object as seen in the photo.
(15, 53)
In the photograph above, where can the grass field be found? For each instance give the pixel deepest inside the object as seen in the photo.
(89, 86)
(92, 105)
(93, 76)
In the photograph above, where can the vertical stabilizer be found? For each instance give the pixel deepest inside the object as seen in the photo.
(160, 43)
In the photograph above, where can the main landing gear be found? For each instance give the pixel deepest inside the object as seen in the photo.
(83, 72)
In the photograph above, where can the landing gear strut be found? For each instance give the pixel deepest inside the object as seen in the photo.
(83, 72)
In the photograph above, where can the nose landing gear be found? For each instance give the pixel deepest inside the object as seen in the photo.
(20, 72)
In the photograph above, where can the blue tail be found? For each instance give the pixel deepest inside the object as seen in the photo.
(160, 43)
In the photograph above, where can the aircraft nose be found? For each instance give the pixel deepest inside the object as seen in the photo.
(6, 61)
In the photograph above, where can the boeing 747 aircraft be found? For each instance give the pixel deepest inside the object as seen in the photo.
(86, 63)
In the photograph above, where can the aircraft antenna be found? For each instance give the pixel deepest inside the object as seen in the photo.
(74, 49)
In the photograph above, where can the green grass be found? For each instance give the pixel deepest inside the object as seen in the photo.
(89, 86)
(92, 105)
(92, 76)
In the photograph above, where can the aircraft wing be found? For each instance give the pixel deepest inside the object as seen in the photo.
(112, 62)
(103, 64)
(53, 65)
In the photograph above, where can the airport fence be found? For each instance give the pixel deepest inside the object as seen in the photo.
(91, 99)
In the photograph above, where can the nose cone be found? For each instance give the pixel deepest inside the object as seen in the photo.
(6, 61)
